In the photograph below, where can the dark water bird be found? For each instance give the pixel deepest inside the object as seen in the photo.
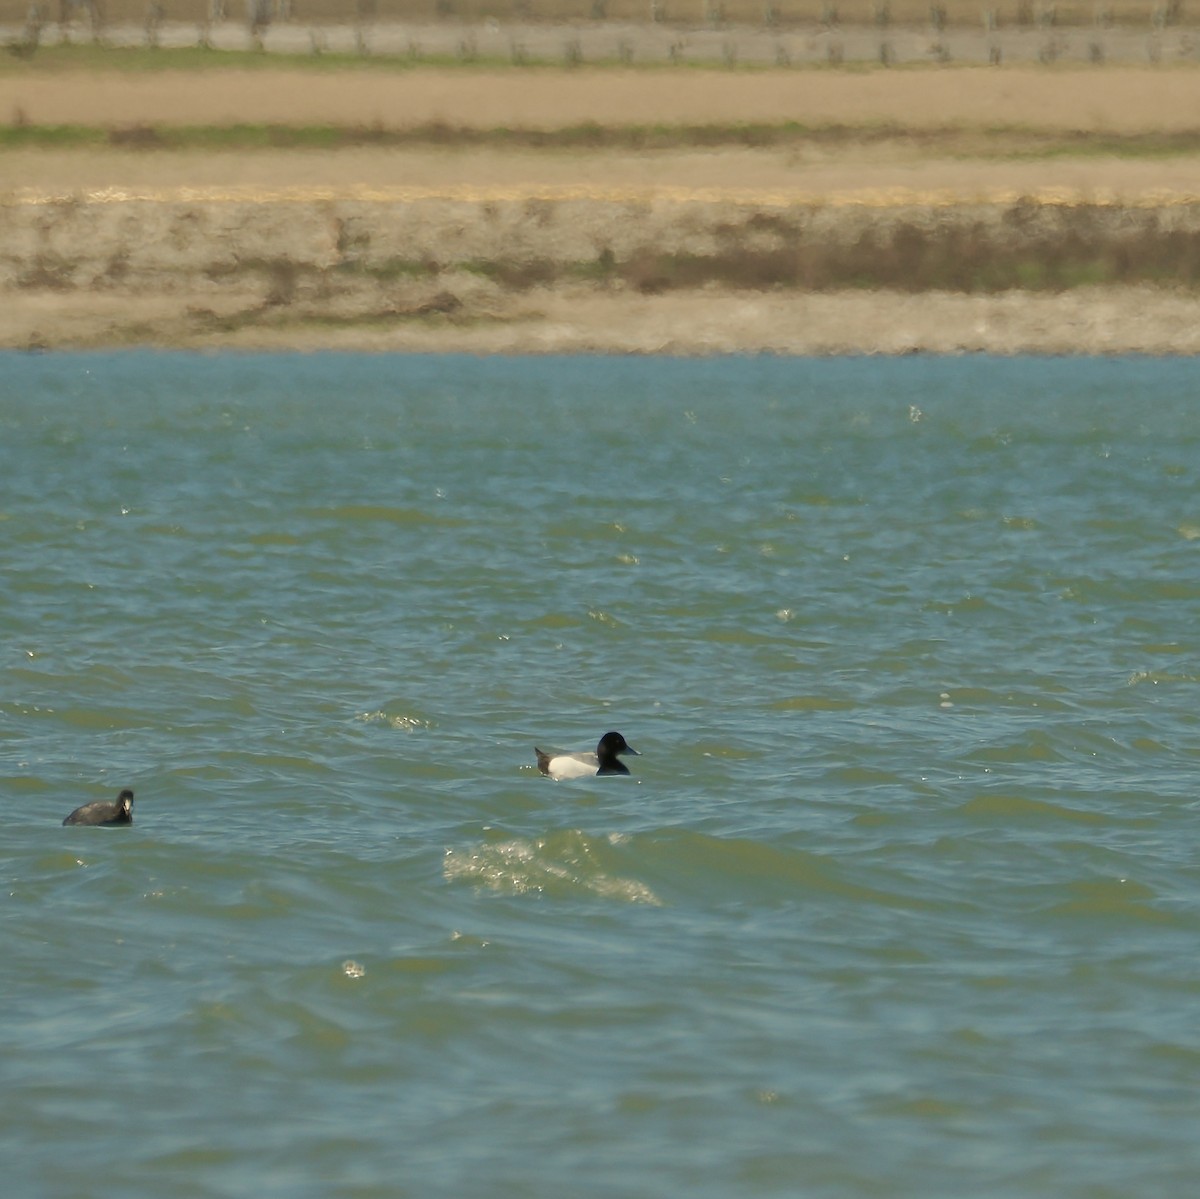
(105, 811)
(575, 766)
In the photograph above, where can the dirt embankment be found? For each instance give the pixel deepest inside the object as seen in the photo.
(853, 243)
(532, 273)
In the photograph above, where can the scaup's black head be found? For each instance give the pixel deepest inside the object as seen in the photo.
(612, 744)
(105, 812)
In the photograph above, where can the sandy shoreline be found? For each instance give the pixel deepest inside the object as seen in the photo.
(565, 320)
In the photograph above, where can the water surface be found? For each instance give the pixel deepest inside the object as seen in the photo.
(902, 899)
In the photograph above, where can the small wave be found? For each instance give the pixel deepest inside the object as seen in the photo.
(106, 720)
(751, 870)
(274, 538)
(1015, 807)
(1120, 898)
(562, 863)
(1154, 677)
(384, 512)
(1033, 746)
(666, 866)
(968, 603)
(812, 703)
(988, 698)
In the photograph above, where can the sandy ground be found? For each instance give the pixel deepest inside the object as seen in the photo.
(1114, 99)
(62, 206)
(883, 176)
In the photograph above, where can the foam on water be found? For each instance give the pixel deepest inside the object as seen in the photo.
(559, 863)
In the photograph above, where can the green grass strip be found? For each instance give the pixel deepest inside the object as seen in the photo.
(1000, 143)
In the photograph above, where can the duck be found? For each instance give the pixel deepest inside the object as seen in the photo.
(105, 811)
(576, 766)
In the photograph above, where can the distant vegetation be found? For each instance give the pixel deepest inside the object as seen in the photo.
(783, 13)
(91, 18)
(732, 33)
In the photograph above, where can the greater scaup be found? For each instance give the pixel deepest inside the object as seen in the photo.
(575, 766)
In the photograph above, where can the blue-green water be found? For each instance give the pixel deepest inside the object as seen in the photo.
(903, 899)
